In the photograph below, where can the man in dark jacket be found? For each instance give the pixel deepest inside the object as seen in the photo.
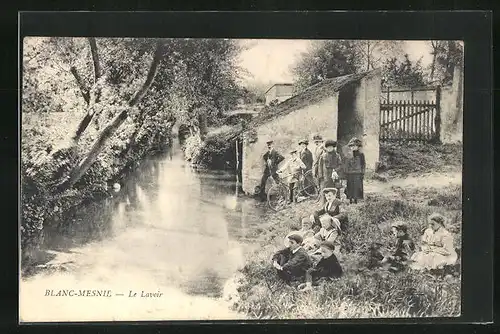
(305, 155)
(327, 267)
(271, 159)
(293, 261)
(331, 207)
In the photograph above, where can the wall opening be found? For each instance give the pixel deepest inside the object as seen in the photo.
(350, 122)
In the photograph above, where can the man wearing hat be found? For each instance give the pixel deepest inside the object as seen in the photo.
(271, 159)
(305, 155)
(329, 166)
(327, 267)
(292, 262)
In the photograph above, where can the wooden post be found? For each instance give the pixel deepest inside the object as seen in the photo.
(237, 165)
(437, 120)
(388, 92)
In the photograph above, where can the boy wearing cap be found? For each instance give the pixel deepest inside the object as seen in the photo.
(329, 166)
(318, 150)
(292, 168)
(271, 159)
(327, 267)
(307, 158)
(292, 262)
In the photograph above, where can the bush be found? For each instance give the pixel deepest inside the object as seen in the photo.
(213, 153)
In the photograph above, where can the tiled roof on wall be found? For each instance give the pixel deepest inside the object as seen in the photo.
(311, 95)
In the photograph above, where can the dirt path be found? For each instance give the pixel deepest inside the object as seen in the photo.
(428, 180)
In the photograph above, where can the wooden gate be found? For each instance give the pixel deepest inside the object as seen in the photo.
(418, 121)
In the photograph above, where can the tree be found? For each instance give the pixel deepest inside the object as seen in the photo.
(326, 59)
(374, 52)
(85, 163)
(403, 73)
(446, 55)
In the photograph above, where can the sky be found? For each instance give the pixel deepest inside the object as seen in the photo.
(270, 60)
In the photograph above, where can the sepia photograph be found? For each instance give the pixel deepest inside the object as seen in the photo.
(169, 179)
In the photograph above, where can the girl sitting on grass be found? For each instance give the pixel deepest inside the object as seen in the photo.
(403, 249)
(436, 250)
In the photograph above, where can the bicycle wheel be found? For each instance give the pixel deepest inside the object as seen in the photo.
(308, 185)
(277, 197)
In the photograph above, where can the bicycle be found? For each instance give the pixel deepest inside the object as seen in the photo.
(279, 193)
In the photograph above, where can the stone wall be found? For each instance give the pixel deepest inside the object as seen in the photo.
(368, 102)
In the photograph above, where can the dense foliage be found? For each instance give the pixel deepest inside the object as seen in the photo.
(403, 73)
(92, 108)
(332, 58)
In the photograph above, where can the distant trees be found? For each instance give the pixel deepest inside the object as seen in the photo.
(326, 59)
(332, 58)
(403, 73)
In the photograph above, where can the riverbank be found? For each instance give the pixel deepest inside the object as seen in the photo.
(42, 209)
(364, 293)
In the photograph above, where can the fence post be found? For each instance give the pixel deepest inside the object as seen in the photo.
(388, 96)
(437, 120)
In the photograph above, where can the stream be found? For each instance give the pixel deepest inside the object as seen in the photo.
(164, 247)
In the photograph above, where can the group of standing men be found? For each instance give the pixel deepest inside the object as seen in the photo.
(326, 164)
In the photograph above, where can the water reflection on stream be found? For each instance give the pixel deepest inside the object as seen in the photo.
(170, 229)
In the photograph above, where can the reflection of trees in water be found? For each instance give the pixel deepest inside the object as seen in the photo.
(82, 224)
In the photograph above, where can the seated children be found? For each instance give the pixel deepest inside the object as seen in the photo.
(307, 230)
(292, 262)
(330, 231)
(327, 267)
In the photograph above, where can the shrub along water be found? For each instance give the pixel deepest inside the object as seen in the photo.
(361, 292)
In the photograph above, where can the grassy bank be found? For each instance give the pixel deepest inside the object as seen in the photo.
(411, 158)
(361, 292)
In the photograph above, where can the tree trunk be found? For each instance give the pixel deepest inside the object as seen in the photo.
(433, 64)
(96, 96)
(111, 128)
(79, 82)
(368, 56)
(97, 66)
